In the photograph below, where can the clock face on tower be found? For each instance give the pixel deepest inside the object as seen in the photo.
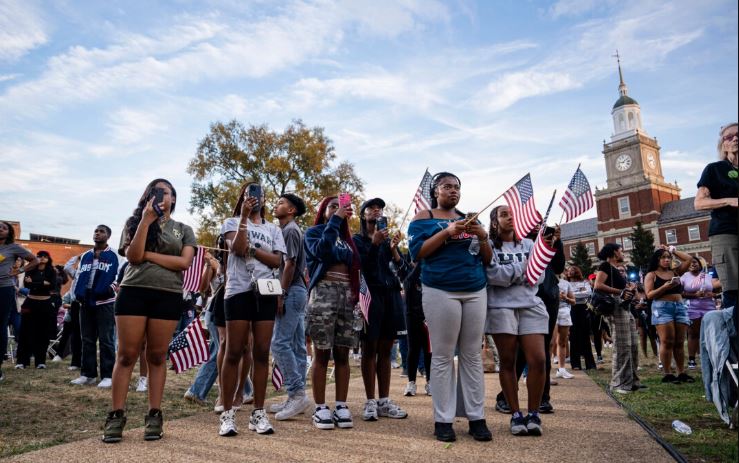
(651, 161)
(623, 162)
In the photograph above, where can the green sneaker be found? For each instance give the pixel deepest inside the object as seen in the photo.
(114, 424)
(153, 425)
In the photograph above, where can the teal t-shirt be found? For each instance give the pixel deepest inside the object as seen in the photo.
(452, 267)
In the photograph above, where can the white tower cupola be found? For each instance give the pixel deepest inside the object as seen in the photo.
(626, 112)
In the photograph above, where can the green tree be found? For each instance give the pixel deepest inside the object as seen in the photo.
(299, 160)
(581, 259)
(643, 247)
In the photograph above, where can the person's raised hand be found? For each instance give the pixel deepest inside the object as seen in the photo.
(379, 236)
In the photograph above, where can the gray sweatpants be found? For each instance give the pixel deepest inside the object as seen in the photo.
(456, 319)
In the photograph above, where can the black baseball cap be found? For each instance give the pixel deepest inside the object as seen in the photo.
(371, 202)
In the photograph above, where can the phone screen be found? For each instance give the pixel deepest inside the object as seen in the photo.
(345, 199)
(381, 223)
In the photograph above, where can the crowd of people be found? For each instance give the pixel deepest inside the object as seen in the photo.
(273, 287)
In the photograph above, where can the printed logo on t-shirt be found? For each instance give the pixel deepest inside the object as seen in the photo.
(177, 234)
(508, 258)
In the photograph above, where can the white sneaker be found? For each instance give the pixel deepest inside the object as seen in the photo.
(41, 366)
(555, 360)
(83, 381)
(73, 368)
(279, 406)
(143, 385)
(322, 418)
(410, 389)
(428, 389)
(343, 417)
(563, 373)
(190, 397)
(394, 365)
(20, 366)
(56, 359)
(295, 406)
(105, 383)
(391, 410)
(370, 410)
(228, 424)
(218, 408)
(259, 422)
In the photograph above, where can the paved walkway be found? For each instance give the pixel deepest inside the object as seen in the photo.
(586, 426)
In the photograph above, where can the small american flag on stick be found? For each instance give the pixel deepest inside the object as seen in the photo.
(578, 198)
(520, 198)
(277, 379)
(540, 257)
(189, 348)
(191, 277)
(365, 298)
(422, 199)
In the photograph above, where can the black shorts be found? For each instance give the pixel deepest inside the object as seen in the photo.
(149, 302)
(249, 306)
(219, 316)
(385, 308)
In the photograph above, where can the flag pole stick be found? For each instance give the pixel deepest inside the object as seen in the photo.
(483, 209)
(402, 224)
(549, 209)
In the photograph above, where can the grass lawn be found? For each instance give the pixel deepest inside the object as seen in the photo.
(660, 404)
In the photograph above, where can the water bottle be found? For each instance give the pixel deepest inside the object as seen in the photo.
(474, 248)
(681, 427)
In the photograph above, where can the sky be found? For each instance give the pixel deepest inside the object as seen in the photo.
(98, 98)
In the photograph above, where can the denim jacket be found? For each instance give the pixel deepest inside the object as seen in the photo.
(324, 248)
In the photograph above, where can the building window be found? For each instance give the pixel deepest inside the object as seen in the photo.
(628, 246)
(671, 236)
(591, 248)
(694, 233)
(624, 209)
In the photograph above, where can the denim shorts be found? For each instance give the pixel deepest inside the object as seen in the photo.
(668, 311)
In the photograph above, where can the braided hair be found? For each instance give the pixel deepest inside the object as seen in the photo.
(153, 235)
(493, 231)
(435, 182)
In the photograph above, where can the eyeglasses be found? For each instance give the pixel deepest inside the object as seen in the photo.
(729, 136)
(450, 187)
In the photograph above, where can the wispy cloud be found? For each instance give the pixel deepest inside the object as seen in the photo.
(21, 29)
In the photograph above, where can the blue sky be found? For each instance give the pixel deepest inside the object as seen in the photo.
(97, 98)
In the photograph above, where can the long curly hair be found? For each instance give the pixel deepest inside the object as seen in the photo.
(153, 235)
(346, 235)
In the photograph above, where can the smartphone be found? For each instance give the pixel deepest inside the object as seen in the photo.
(255, 191)
(381, 223)
(345, 199)
(676, 280)
(470, 215)
(158, 195)
(548, 231)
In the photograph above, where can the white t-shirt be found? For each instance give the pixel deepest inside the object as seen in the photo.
(241, 270)
(564, 287)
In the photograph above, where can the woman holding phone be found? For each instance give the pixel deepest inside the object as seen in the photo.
(669, 313)
(149, 303)
(256, 248)
(333, 266)
(454, 252)
(698, 290)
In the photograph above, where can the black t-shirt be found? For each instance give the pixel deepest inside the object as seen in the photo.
(715, 177)
(613, 278)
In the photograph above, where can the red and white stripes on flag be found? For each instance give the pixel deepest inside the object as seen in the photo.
(577, 198)
(539, 258)
(189, 348)
(365, 298)
(422, 199)
(520, 198)
(277, 379)
(192, 276)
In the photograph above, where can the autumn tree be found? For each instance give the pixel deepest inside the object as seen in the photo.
(300, 160)
(643, 247)
(581, 258)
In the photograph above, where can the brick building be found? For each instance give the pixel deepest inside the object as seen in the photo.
(636, 191)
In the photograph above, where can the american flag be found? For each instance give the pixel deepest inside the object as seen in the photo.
(191, 277)
(189, 348)
(422, 199)
(540, 257)
(365, 298)
(520, 198)
(277, 379)
(577, 198)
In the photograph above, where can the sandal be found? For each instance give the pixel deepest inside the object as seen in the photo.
(685, 378)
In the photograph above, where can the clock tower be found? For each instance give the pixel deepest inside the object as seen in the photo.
(636, 189)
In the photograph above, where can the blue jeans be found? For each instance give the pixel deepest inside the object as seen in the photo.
(208, 371)
(8, 305)
(288, 340)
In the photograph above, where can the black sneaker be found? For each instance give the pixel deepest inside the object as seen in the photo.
(153, 425)
(670, 378)
(479, 431)
(114, 424)
(518, 425)
(533, 424)
(692, 365)
(502, 407)
(638, 387)
(685, 378)
(444, 432)
(546, 407)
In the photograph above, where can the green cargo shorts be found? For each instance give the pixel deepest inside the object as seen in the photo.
(331, 316)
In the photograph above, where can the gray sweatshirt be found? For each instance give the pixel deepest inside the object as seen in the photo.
(507, 284)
